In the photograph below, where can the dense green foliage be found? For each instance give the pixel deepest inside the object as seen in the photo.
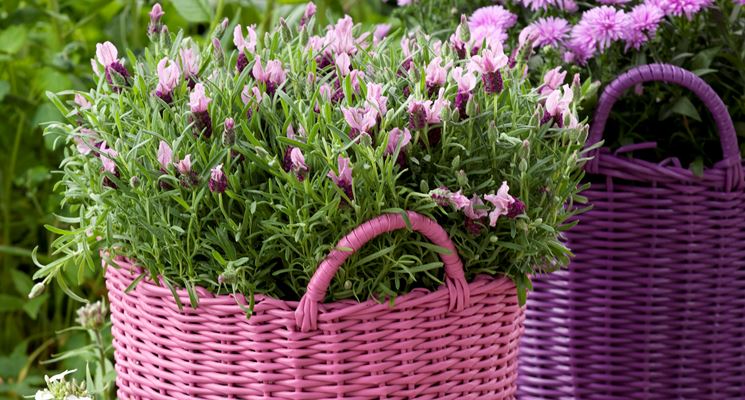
(238, 218)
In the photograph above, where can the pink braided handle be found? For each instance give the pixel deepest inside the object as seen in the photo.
(671, 74)
(306, 315)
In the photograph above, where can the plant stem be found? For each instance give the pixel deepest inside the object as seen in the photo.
(102, 360)
(10, 173)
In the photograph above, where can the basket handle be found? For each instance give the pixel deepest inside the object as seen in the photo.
(306, 315)
(672, 74)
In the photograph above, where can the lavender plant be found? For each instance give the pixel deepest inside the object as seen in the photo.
(239, 171)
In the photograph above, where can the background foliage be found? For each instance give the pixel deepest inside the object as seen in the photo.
(47, 45)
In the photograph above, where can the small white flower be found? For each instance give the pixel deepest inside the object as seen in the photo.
(61, 375)
(44, 395)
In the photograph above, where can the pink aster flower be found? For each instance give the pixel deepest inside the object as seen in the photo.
(501, 202)
(607, 25)
(491, 18)
(360, 120)
(436, 74)
(643, 21)
(343, 179)
(165, 155)
(376, 99)
(536, 5)
(549, 31)
(687, 7)
(552, 80)
(582, 43)
(218, 181)
(198, 100)
(168, 78)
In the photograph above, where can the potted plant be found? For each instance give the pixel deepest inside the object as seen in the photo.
(232, 195)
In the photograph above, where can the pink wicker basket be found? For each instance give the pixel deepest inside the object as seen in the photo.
(458, 342)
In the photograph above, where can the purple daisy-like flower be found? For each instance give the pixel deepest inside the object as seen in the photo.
(687, 7)
(607, 24)
(549, 31)
(643, 21)
(491, 24)
(581, 44)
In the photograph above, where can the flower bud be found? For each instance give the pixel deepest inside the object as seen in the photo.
(217, 50)
(92, 316)
(37, 290)
(220, 29)
(134, 182)
(228, 135)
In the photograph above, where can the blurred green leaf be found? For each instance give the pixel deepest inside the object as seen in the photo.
(22, 282)
(193, 10)
(32, 306)
(682, 106)
(703, 59)
(49, 79)
(13, 38)
(4, 89)
(12, 364)
(10, 303)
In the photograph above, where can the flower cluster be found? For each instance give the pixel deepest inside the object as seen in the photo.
(239, 171)
(59, 388)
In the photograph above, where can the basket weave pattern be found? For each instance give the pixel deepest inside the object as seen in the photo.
(458, 342)
(653, 305)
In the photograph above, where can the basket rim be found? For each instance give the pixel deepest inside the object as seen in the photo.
(124, 268)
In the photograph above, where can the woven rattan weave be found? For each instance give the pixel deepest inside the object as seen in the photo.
(653, 305)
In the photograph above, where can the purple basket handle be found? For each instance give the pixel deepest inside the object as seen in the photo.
(306, 315)
(671, 74)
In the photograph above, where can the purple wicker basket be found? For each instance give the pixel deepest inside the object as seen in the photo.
(653, 305)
